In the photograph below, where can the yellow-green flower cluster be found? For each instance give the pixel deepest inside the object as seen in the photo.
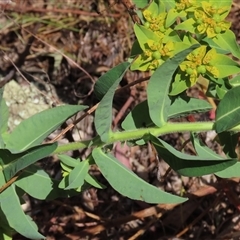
(210, 19)
(154, 55)
(199, 62)
(155, 23)
(183, 5)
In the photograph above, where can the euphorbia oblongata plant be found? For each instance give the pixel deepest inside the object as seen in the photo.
(181, 44)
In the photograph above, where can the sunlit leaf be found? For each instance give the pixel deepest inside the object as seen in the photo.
(29, 181)
(228, 111)
(230, 172)
(77, 175)
(129, 184)
(227, 41)
(188, 165)
(103, 114)
(16, 218)
(21, 161)
(34, 130)
(182, 106)
(158, 87)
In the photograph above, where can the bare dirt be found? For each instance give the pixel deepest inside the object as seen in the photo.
(52, 52)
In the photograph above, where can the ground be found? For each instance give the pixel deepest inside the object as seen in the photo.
(51, 53)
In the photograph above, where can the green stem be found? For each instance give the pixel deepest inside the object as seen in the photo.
(140, 133)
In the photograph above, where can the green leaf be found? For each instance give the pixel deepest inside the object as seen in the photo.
(187, 26)
(212, 44)
(158, 87)
(227, 41)
(69, 161)
(225, 65)
(72, 163)
(154, 8)
(170, 4)
(202, 150)
(103, 114)
(136, 49)
(27, 158)
(16, 218)
(77, 175)
(143, 34)
(188, 165)
(228, 111)
(235, 81)
(182, 106)
(140, 3)
(6, 232)
(230, 172)
(94, 182)
(179, 85)
(129, 184)
(29, 181)
(107, 80)
(229, 141)
(35, 129)
(171, 17)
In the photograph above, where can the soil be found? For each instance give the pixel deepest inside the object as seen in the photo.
(52, 53)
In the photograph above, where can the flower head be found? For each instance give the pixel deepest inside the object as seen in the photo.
(199, 62)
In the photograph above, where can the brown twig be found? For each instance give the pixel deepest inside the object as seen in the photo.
(57, 10)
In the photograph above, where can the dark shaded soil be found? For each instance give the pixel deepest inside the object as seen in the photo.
(62, 53)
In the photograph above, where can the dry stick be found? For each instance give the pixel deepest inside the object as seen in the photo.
(53, 47)
(131, 8)
(143, 230)
(155, 210)
(124, 108)
(8, 183)
(57, 10)
(148, 212)
(92, 109)
(70, 126)
(197, 219)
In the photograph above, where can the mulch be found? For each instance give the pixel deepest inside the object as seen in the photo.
(62, 48)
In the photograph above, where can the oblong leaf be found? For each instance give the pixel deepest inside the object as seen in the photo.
(15, 216)
(188, 165)
(230, 172)
(26, 159)
(94, 182)
(34, 130)
(141, 3)
(143, 34)
(228, 111)
(202, 150)
(69, 161)
(103, 114)
(77, 175)
(158, 87)
(29, 181)
(129, 184)
(225, 65)
(105, 82)
(139, 116)
(227, 41)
